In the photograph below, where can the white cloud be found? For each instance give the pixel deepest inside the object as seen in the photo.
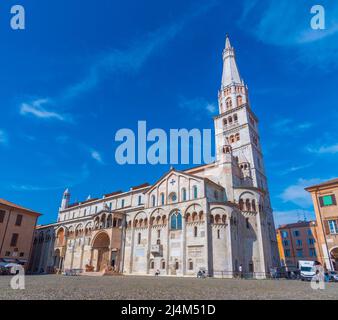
(96, 156)
(296, 193)
(3, 137)
(35, 108)
(288, 24)
(131, 59)
(292, 216)
(295, 168)
(332, 149)
(198, 104)
(289, 126)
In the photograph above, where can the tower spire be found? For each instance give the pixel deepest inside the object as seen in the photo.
(230, 70)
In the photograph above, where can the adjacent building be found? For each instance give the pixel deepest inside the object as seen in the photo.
(17, 226)
(297, 241)
(214, 217)
(324, 197)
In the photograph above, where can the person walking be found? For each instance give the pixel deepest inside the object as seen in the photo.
(240, 269)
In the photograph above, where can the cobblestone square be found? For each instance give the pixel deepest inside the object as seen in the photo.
(154, 288)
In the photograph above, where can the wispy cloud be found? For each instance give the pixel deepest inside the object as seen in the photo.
(129, 60)
(296, 194)
(63, 179)
(36, 109)
(296, 168)
(288, 24)
(289, 126)
(3, 137)
(326, 149)
(96, 156)
(198, 105)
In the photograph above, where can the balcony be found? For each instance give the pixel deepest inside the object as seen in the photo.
(156, 249)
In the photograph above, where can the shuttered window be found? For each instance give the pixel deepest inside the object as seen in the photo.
(328, 200)
(14, 239)
(332, 226)
(2, 216)
(18, 220)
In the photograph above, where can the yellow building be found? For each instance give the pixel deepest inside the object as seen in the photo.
(297, 241)
(324, 197)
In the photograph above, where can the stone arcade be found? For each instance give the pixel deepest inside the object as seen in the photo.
(213, 217)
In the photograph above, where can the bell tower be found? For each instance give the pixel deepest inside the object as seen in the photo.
(236, 130)
(236, 125)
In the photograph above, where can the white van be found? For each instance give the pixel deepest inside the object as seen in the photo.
(307, 269)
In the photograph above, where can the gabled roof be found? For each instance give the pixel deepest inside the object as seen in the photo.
(15, 206)
(323, 184)
(172, 170)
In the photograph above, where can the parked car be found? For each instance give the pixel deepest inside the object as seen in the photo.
(332, 276)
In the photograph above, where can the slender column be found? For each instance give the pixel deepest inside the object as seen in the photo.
(184, 247)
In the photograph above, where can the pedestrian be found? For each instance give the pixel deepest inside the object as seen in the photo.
(240, 269)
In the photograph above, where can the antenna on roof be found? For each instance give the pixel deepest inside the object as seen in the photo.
(304, 215)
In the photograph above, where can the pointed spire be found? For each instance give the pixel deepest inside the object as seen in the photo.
(230, 70)
(227, 42)
(66, 191)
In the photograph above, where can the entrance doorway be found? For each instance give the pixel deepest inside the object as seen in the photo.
(101, 251)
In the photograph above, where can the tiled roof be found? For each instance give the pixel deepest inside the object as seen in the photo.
(324, 184)
(13, 205)
(299, 224)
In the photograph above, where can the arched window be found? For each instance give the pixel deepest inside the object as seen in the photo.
(176, 221)
(139, 238)
(195, 192)
(235, 117)
(247, 223)
(163, 264)
(139, 200)
(232, 139)
(162, 199)
(191, 265)
(177, 265)
(184, 194)
(237, 137)
(239, 100)
(173, 197)
(241, 204)
(152, 264)
(195, 232)
(225, 122)
(230, 120)
(153, 200)
(248, 205)
(228, 103)
(218, 234)
(254, 205)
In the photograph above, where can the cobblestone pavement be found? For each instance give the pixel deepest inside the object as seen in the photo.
(133, 287)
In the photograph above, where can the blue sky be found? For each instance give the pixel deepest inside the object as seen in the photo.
(84, 69)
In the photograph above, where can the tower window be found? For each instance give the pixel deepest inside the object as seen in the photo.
(237, 137)
(162, 199)
(218, 234)
(195, 232)
(225, 122)
(153, 200)
(184, 194)
(195, 192)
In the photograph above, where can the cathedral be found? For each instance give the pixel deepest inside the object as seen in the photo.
(215, 218)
